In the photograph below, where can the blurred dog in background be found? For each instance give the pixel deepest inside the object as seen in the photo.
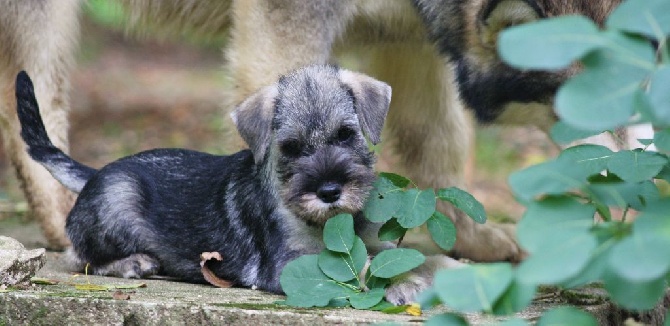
(438, 55)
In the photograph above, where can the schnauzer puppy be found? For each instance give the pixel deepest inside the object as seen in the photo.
(156, 211)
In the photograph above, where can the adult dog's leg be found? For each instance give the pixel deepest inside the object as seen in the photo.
(272, 37)
(431, 139)
(39, 37)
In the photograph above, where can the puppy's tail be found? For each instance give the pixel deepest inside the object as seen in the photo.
(72, 174)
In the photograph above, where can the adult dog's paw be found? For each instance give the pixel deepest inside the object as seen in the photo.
(405, 288)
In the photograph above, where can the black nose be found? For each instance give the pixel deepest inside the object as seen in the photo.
(329, 192)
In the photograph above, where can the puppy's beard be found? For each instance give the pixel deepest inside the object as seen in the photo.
(309, 207)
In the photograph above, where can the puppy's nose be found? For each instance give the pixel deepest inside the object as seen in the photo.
(329, 192)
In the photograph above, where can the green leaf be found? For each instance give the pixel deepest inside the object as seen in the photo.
(659, 97)
(393, 262)
(593, 270)
(474, 287)
(396, 179)
(384, 201)
(640, 257)
(662, 137)
(464, 201)
(636, 166)
(634, 295)
(306, 285)
(558, 263)
(548, 178)
(513, 322)
(604, 95)
(566, 316)
(366, 300)
(448, 319)
(442, 230)
(591, 159)
(549, 43)
(537, 229)
(623, 194)
(517, 297)
(381, 306)
(556, 233)
(428, 298)
(338, 233)
(341, 266)
(416, 207)
(564, 134)
(647, 17)
(391, 230)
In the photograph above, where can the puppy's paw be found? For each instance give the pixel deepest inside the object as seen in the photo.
(407, 287)
(133, 266)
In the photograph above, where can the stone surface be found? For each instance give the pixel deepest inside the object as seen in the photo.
(165, 302)
(17, 264)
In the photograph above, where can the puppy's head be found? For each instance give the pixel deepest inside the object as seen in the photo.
(308, 131)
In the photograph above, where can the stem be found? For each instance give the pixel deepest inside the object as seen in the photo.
(625, 213)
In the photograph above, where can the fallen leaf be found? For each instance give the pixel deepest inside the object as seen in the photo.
(208, 274)
(90, 287)
(43, 281)
(126, 286)
(120, 295)
(414, 309)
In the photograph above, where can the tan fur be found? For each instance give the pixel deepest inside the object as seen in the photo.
(39, 37)
(427, 133)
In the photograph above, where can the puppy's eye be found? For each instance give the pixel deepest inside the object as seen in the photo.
(345, 134)
(291, 148)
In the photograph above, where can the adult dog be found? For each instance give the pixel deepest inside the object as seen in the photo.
(422, 48)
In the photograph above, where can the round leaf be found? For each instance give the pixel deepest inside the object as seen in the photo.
(447, 319)
(474, 287)
(384, 201)
(566, 316)
(306, 285)
(396, 179)
(549, 43)
(463, 201)
(549, 178)
(648, 17)
(563, 133)
(442, 230)
(558, 263)
(604, 95)
(517, 297)
(591, 159)
(659, 97)
(393, 262)
(634, 295)
(366, 300)
(537, 229)
(416, 207)
(662, 137)
(391, 230)
(645, 248)
(338, 233)
(341, 266)
(636, 166)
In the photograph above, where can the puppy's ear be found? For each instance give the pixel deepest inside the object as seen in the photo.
(253, 119)
(371, 100)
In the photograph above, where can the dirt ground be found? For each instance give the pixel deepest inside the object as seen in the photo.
(130, 95)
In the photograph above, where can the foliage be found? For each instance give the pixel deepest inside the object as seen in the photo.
(339, 276)
(569, 229)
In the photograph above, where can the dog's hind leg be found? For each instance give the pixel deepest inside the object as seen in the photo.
(133, 266)
(431, 138)
(39, 37)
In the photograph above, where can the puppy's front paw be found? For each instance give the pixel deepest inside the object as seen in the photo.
(407, 287)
